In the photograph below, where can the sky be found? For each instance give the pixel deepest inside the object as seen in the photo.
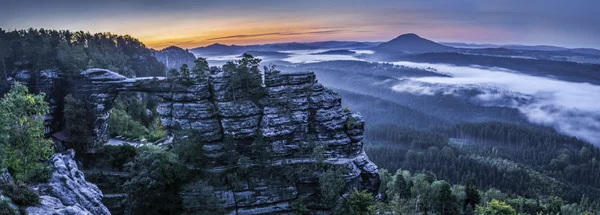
(193, 23)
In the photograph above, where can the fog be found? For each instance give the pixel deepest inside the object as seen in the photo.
(311, 56)
(571, 108)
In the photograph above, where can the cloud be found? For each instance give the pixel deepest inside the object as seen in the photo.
(240, 36)
(571, 108)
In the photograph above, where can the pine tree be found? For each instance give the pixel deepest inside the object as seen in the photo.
(445, 203)
(200, 70)
(472, 194)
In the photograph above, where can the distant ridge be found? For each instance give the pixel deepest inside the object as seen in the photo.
(549, 48)
(411, 43)
(221, 49)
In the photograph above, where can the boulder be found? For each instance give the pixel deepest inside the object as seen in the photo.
(67, 191)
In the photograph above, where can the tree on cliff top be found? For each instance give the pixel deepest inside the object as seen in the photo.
(200, 70)
(23, 147)
(245, 76)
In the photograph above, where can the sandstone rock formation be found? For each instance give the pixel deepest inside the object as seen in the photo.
(293, 116)
(67, 191)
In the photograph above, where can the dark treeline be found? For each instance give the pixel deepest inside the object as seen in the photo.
(373, 107)
(36, 50)
(413, 133)
(415, 139)
(523, 160)
(560, 156)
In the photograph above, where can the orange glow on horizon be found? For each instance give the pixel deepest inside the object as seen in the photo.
(241, 33)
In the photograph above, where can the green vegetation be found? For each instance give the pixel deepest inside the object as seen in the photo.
(493, 155)
(23, 148)
(423, 193)
(245, 77)
(20, 194)
(153, 188)
(331, 185)
(186, 76)
(122, 124)
(495, 207)
(5, 208)
(134, 116)
(190, 150)
(37, 50)
(118, 156)
(357, 203)
(22, 142)
(201, 69)
(76, 127)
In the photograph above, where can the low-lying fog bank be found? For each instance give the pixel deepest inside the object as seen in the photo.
(571, 108)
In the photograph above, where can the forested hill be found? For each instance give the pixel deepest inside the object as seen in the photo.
(37, 50)
(174, 57)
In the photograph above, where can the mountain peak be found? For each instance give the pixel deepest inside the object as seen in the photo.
(409, 35)
(411, 43)
(217, 45)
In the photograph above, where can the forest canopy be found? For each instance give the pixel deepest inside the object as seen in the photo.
(37, 50)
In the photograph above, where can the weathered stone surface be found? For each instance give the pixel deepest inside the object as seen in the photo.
(67, 191)
(292, 115)
(5, 176)
(52, 205)
(277, 208)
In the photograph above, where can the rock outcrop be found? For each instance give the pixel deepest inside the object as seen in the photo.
(67, 192)
(293, 116)
(5, 177)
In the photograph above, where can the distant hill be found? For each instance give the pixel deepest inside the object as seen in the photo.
(469, 45)
(338, 52)
(343, 44)
(547, 48)
(411, 43)
(284, 46)
(217, 49)
(173, 57)
(537, 47)
(221, 49)
(586, 51)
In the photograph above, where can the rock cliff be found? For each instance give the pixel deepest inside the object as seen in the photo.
(294, 115)
(67, 191)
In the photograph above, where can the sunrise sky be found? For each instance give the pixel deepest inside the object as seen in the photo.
(193, 23)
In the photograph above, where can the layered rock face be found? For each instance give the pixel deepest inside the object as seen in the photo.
(292, 116)
(295, 115)
(67, 191)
